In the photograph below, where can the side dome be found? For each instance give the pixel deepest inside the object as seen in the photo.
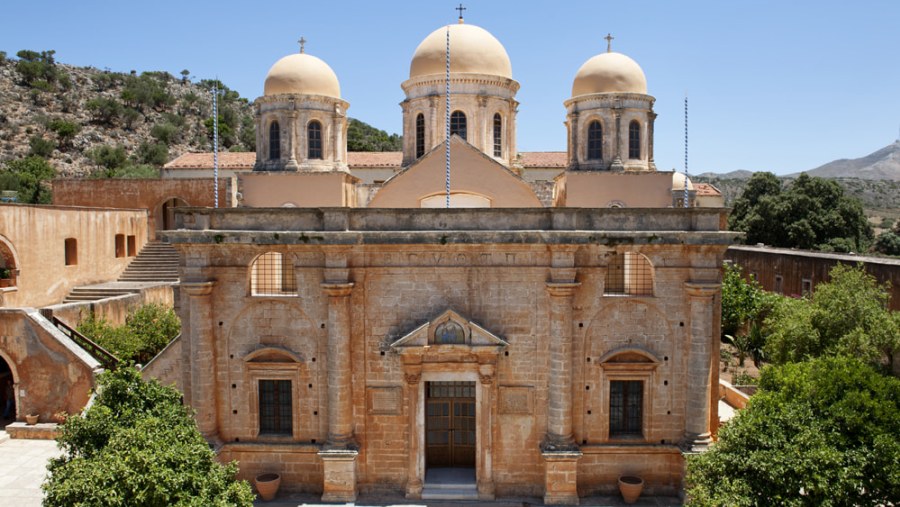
(473, 50)
(609, 73)
(678, 181)
(302, 74)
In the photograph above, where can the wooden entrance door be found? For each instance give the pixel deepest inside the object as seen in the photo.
(450, 424)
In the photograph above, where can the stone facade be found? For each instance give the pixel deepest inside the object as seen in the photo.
(541, 336)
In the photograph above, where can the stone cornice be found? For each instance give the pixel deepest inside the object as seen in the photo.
(611, 100)
(293, 100)
(460, 78)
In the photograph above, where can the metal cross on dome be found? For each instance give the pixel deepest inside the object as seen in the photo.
(460, 9)
(302, 42)
(609, 38)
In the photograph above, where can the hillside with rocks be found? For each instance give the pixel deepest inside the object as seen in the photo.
(84, 120)
(883, 164)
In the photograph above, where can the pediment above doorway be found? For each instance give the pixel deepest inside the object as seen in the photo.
(448, 332)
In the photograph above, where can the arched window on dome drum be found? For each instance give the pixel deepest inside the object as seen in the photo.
(420, 135)
(595, 141)
(314, 140)
(498, 135)
(274, 141)
(634, 140)
(458, 124)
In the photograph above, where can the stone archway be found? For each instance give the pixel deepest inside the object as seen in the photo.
(9, 267)
(164, 213)
(9, 381)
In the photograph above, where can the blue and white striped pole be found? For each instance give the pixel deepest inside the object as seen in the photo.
(447, 107)
(216, 141)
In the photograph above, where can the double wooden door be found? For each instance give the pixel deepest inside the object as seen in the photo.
(450, 424)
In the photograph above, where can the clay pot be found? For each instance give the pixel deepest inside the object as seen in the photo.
(630, 487)
(267, 485)
(31, 419)
(5, 282)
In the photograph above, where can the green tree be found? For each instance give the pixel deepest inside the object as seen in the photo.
(103, 110)
(108, 157)
(887, 243)
(152, 153)
(819, 433)
(31, 178)
(38, 69)
(812, 213)
(364, 137)
(138, 446)
(848, 315)
(165, 133)
(65, 131)
(40, 147)
(147, 330)
(184, 75)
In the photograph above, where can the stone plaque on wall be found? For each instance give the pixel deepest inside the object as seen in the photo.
(384, 400)
(516, 400)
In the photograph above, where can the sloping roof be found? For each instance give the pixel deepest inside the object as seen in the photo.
(706, 189)
(227, 160)
(544, 158)
(374, 158)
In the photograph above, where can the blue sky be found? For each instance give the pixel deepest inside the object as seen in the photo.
(773, 85)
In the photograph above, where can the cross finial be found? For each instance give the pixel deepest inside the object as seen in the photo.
(302, 42)
(460, 9)
(609, 38)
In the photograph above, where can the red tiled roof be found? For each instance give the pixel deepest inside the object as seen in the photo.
(227, 160)
(544, 158)
(706, 189)
(374, 158)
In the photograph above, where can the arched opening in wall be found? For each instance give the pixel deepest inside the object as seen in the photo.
(457, 200)
(498, 135)
(165, 216)
(314, 140)
(595, 141)
(272, 274)
(458, 124)
(274, 141)
(7, 393)
(420, 135)
(8, 267)
(634, 140)
(628, 274)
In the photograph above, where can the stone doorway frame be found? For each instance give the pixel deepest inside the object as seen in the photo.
(474, 361)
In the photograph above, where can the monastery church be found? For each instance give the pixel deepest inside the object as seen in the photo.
(534, 325)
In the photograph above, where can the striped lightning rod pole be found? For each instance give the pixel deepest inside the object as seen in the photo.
(686, 195)
(216, 141)
(447, 121)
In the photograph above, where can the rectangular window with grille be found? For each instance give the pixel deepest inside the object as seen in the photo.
(272, 274)
(275, 407)
(626, 402)
(628, 274)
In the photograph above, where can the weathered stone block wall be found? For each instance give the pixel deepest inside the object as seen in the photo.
(661, 467)
(36, 236)
(114, 309)
(299, 466)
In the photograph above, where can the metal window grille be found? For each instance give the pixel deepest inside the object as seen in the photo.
(626, 402)
(595, 141)
(634, 140)
(629, 274)
(314, 140)
(458, 124)
(420, 135)
(274, 141)
(451, 389)
(275, 407)
(498, 135)
(272, 274)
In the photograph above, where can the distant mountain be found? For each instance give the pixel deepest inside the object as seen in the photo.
(733, 175)
(883, 164)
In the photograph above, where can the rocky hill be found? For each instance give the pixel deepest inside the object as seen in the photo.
(85, 120)
(883, 164)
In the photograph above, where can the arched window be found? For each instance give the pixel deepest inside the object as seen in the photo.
(498, 135)
(595, 141)
(314, 140)
(420, 135)
(634, 140)
(629, 274)
(274, 141)
(272, 274)
(458, 124)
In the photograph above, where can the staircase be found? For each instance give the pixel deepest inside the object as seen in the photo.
(94, 293)
(450, 484)
(157, 262)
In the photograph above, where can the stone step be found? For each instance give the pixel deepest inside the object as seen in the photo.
(429, 493)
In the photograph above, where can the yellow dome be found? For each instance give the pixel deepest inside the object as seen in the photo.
(473, 50)
(609, 73)
(303, 74)
(678, 180)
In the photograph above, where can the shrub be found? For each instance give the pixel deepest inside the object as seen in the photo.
(31, 176)
(165, 132)
(152, 153)
(137, 445)
(108, 157)
(103, 110)
(40, 147)
(147, 330)
(65, 130)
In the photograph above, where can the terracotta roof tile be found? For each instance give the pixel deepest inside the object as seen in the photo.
(544, 158)
(706, 189)
(227, 160)
(374, 158)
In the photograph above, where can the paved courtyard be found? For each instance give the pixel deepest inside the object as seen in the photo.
(23, 466)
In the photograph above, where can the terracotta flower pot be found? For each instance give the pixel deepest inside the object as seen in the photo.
(31, 419)
(267, 485)
(630, 487)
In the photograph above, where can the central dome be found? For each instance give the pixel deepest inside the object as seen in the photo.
(473, 50)
(303, 74)
(609, 73)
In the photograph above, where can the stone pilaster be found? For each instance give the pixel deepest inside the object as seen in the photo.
(561, 477)
(572, 126)
(559, 412)
(651, 121)
(340, 410)
(339, 471)
(697, 436)
(485, 472)
(201, 395)
(617, 164)
(292, 136)
(414, 483)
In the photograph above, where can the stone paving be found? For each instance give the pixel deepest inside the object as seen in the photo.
(23, 466)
